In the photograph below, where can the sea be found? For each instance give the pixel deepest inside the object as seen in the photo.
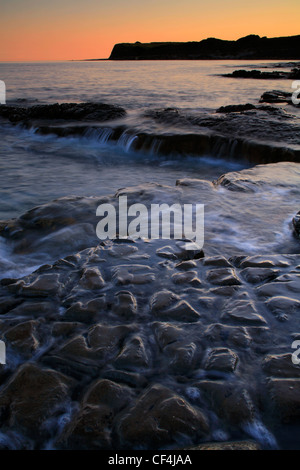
(35, 169)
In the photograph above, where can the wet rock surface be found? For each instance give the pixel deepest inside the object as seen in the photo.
(150, 365)
(294, 74)
(250, 180)
(65, 111)
(276, 96)
(127, 344)
(258, 133)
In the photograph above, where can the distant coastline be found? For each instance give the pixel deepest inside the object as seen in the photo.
(246, 48)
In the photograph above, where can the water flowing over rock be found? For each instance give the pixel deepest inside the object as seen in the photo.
(138, 344)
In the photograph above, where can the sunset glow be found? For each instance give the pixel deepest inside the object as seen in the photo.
(77, 29)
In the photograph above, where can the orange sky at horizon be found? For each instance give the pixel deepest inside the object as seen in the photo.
(83, 29)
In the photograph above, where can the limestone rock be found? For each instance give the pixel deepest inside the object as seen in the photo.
(126, 305)
(229, 400)
(158, 417)
(92, 279)
(223, 277)
(133, 355)
(33, 395)
(285, 394)
(221, 359)
(23, 337)
(280, 365)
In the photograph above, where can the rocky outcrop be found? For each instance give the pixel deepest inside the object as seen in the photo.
(236, 108)
(254, 178)
(294, 74)
(276, 96)
(159, 418)
(135, 344)
(65, 111)
(257, 133)
(249, 47)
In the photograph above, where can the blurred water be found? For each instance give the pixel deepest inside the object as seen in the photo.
(35, 169)
(190, 85)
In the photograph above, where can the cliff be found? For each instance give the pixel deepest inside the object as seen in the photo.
(249, 47)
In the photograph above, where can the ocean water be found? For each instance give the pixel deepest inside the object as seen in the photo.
(35, 169)
(192, 85)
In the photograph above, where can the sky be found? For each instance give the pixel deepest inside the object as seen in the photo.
(84, 29)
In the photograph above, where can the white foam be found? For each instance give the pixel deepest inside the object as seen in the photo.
(259, 432)
(11, 267)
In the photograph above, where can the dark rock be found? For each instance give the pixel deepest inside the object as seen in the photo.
(249, 47)
(23, 337)
(158, 418)
(90, 429)
(221, 359)
(285, 395)
(166, 334)
(44, 309)
(129, 378)
(7, 304)
(65, 328)
(225, 291)
(108, 336)
(106, 392)
(91, 279)
(236, 108)
(133, 355)
(65, 111)
(259, 275)
(133, 274)
(217, 261)
(276, 96)
(186, 265)
(91, 426)
(280, 365)
(163, 299)
(257, 74)
(31, 396)
(235, 335)
(281, 306)
(243, 311)
(126, 305)
(229, 400)
(184, 356)
(189, 277)
(86, 313)
(223, 277)
(181, 311)
(43, 286)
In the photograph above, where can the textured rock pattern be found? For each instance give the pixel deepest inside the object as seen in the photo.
(130, 351)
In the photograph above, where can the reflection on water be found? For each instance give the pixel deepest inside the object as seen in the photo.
(191, 85)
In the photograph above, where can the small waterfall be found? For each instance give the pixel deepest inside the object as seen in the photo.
(126, 140)
(102, 135)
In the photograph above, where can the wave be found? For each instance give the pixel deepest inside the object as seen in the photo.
(176, 144)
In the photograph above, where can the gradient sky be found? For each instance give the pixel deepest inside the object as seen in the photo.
(81, 29)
